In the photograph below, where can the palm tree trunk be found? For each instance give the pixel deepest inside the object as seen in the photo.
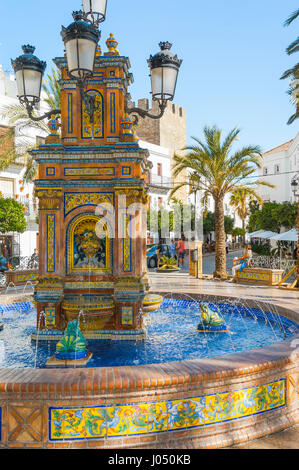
(243, 228)
(220, 257)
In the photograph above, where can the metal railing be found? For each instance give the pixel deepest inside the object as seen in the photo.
(273, 262)
(23, 263)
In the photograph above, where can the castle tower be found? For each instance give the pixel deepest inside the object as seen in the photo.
(170, 131)
(91, 267)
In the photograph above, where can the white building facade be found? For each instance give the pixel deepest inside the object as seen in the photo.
(280, 165)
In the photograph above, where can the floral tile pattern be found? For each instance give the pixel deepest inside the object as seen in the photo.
(146, 418)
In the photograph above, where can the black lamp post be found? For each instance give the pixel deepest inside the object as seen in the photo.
(164, 67)
(29, 72)
(81, 39)
(95, 10)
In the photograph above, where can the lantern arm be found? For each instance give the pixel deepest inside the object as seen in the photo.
(143, 113)
(48, 115)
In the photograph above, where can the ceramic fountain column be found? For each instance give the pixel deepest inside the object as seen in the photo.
(89, 260)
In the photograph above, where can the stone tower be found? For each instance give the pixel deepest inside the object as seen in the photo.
(170, 131)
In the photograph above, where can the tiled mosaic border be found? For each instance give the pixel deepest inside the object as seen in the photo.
(100, 422)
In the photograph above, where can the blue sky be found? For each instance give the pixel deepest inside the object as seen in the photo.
(233, 52)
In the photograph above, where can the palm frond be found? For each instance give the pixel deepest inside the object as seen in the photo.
(293, 47)
(291, 18)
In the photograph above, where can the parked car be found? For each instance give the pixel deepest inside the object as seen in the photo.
(151, 255)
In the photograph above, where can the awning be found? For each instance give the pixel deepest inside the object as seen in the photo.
(290, 236)
(266, 234)
(254, 234)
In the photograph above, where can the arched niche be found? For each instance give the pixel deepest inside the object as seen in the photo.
(89, 246)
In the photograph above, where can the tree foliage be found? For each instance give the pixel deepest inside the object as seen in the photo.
(12, 217)
(216, 171)
(272, 216)
(209, 223)
(293, 73)
(18, 118)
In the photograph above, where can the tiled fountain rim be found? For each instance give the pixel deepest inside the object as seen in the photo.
(110, 381)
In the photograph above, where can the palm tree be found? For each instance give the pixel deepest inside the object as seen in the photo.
(17, 118)
(293, 73)
(240, 199)
(216, 172)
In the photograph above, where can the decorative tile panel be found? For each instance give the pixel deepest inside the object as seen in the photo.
(27, 277)
(126, 171)
(95, 129)
(127, 245)
(254, 276)
(70, 113)
(50, 171)
(89, 285)
(155, 417)
(50, 243)
(89, 172)
(112, 113)
(74, 200)
(127, 316)
(50, 316)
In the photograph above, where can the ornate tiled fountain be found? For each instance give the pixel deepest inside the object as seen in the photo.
(88, 177)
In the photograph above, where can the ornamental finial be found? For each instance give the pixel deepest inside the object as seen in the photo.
(27, 49)
(78, 15)
(112, 44)
(165, 45)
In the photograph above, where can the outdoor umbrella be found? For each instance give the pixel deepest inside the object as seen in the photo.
(266, 234)
(255, 234)
(290, 236)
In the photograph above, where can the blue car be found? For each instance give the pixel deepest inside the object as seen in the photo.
(151, 255)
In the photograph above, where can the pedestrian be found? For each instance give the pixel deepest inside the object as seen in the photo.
(34, 260)
(181, 252)
(173, 249)
(244, 261)
(5, 252)
(159, 252)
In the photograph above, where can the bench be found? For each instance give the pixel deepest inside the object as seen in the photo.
(262, 276)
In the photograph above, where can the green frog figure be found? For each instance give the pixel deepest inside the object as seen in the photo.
(211, 320)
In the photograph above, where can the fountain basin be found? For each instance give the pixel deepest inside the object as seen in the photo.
(205, 403)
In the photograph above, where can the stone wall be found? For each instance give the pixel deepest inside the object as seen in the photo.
(170, 131)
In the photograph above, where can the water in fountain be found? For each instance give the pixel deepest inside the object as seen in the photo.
(11, 286)
(42, 316)
(28, 283)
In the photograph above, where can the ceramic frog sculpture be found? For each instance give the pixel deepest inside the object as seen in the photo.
(73, 340)
(210, 318)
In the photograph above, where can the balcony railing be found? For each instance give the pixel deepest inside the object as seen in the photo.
(162, 181)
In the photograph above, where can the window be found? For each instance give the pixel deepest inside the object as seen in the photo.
(265, 171)
(276, 169)
(160, 201)
(173, 108)
(159, 166)
(7, 187)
